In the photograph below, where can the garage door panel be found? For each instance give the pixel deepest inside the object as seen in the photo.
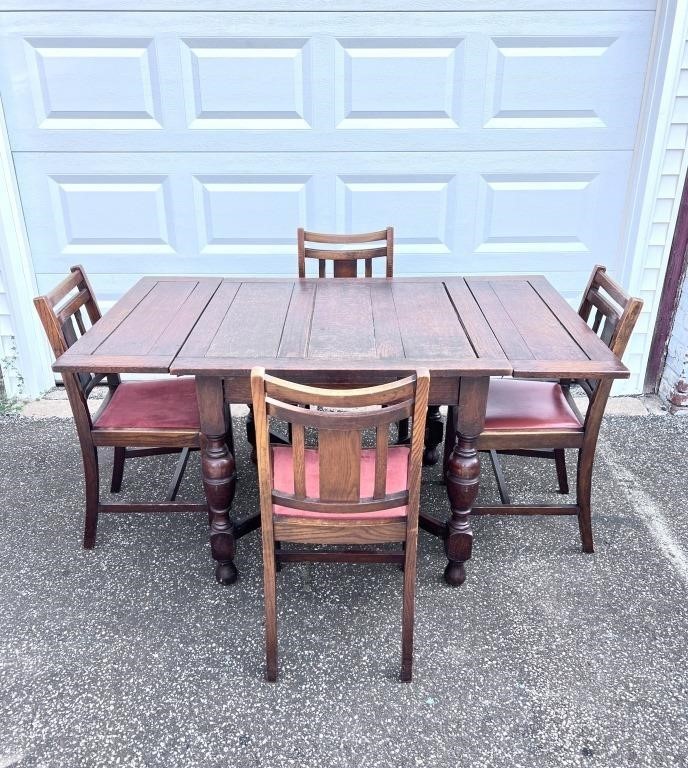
(247, 84)
(324, 82)
(422, 207)
(112, 214)
(556, 82)
(412, 83)
(550, 212)
(250, 213)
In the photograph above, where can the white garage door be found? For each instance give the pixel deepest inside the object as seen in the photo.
(198, 142)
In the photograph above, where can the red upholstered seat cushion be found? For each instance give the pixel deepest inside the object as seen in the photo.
(397, 480)
(521, 404)
(160, 404)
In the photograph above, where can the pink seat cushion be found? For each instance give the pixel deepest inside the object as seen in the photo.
(397, 480)
(163, 404)
(520, 404)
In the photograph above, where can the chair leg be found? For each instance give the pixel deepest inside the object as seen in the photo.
(118, 470)
(270, 588)
(499, 475)
(176, 480)
(433, 435)
(583, 499)
(92, 482)
(560, 462)
(408, 613)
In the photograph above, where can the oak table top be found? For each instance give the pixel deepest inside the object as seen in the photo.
(474, 326)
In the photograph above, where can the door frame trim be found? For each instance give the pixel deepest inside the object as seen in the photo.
(33, 357)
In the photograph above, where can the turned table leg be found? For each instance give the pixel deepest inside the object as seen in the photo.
(434, 428)
(219, 475)
(463, 476)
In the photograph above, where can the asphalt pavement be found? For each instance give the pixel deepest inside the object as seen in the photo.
(131, 654)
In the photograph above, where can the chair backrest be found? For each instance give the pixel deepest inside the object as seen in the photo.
(339, 440)
(60, 311)
(372, 245)
(612, 314)
(615, 312)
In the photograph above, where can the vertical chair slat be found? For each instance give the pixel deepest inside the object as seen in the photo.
(298, 442)
(80, 322)
(339, 454)
(381, 450)
(301, 248)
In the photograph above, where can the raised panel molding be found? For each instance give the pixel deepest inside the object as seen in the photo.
(251, 214)
(551, 82)
(110, 215)
(421, 207)
(94, 83)
(393, 83)
(533, 213)
(248, 84)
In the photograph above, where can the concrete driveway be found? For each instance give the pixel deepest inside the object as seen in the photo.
(131, 655)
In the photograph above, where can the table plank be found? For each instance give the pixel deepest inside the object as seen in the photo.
(254, 322)
(388, 341)
(499, 321)
(185, 318)
(342, 321)
(112, 320)
(138, 333)
(205, 329)
(297, 328)
(481, 336)
(539, 327)
(428, 322)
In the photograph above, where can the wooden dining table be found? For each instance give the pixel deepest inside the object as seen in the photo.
(344, 332)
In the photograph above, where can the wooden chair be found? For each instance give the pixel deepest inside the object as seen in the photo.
(540, 418)
(339, 492)
(345, 261)
(137, 418)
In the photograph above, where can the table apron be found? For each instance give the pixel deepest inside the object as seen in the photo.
(443, 390)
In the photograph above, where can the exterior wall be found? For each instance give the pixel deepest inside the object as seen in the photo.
(662, 170)
(24, 351)
(673, 385)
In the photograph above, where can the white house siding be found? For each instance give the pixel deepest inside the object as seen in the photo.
(489, 174)
(674, 161)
